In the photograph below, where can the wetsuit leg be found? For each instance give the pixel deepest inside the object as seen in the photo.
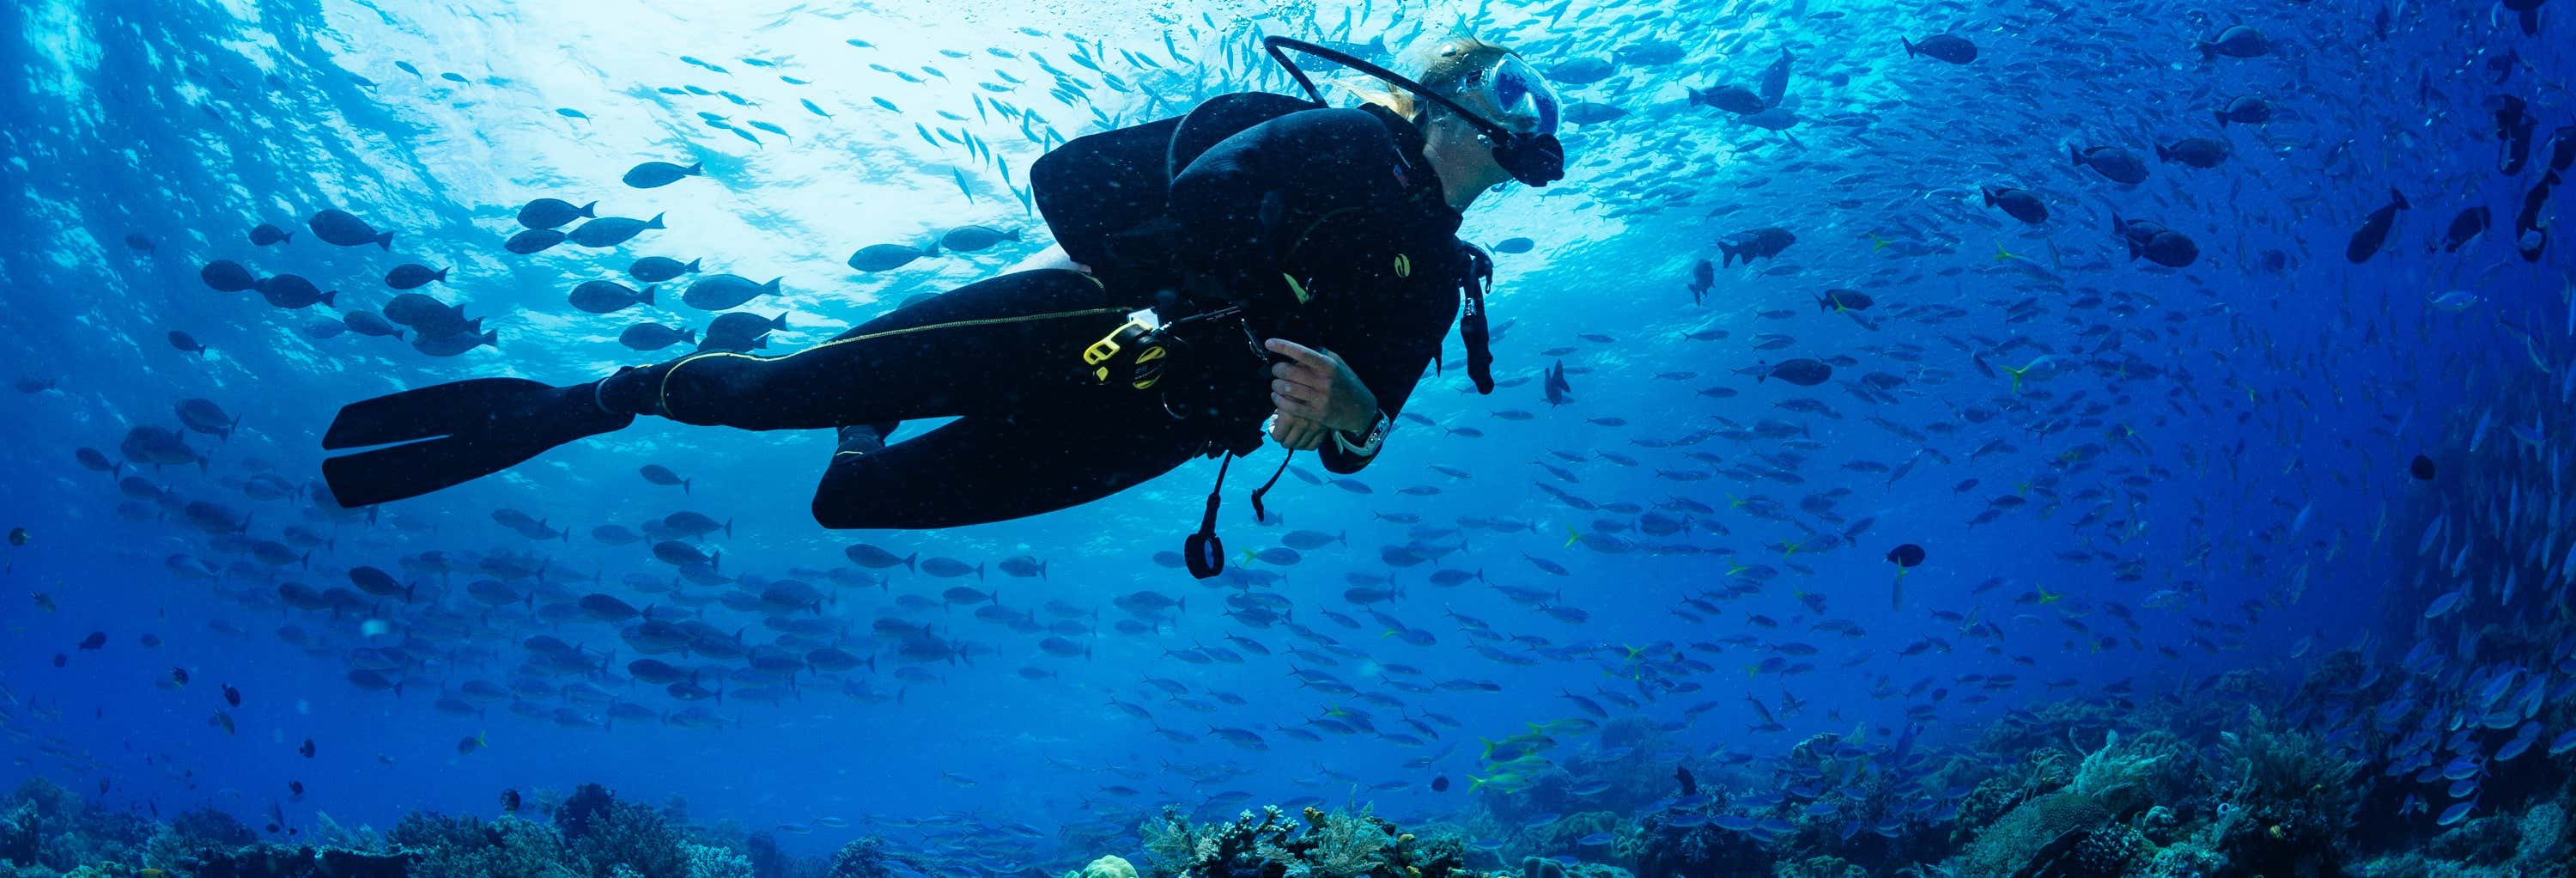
(990, 347)
(985, 468)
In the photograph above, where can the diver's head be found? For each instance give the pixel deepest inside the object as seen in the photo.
(1491, 82)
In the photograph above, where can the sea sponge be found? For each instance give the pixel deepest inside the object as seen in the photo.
(1542, 867)
(1111, 866)
(1818, 867)
(2187, 860)
(2012, 841)
(2544, 837)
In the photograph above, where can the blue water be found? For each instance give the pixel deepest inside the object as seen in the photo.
(2208, 465)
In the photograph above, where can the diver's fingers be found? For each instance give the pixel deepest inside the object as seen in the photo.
(1284, 428)
(1302, 374)
(1305, 356)
(1291, 431)
(1292, 407)
(1304, 393)
(1308, 435)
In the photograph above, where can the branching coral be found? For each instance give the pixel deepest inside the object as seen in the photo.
(1272, 845)
(862, 858)
(575, 813)
(708, 861)
(604, 833)
(634, 836)
(191, 836)
(19, 824)
(2288, 784)
(45, 825)
(1333, 846)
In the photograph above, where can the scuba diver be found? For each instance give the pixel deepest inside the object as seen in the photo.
(1262, 257)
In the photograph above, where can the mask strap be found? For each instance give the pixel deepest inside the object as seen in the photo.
(1274, 44)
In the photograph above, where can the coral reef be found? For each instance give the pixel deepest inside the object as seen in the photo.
(2013, 841)
(461, 847)
(2039, 772)
(1319, 845)
(1701, 851)
(609, 833)
(2533, 844)
(45, 825)
(870, 857)
(1818, 867)
(708, 861)
(2288, 798)
(282, 861)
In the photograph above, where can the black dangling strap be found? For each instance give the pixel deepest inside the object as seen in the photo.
(1263, 515)
(1471, 321)
(1203, 552)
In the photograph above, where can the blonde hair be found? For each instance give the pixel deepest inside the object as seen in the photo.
(1439, 65)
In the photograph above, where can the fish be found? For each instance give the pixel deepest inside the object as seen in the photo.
(2113, 163)
(654, 175)
(1941, 47)
(608, 297)
(413, 276)
(553, 213)
(2373, 234)
(656, 269)
(887, 257)
(2237, 41)
(719, 292)
(2016, 203)
(1801, 371)
(269, 235)
(344, 229)
(610, 231)
(1749, 245)
(227, 276)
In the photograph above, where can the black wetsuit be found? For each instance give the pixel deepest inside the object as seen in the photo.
(1336, 203)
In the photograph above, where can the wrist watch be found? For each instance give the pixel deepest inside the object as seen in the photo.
(1365, 442)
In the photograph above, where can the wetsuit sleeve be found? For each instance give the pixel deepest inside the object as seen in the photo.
(1275, 199)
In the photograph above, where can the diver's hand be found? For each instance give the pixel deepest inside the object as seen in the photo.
(1295, 433)
(1317, 387)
